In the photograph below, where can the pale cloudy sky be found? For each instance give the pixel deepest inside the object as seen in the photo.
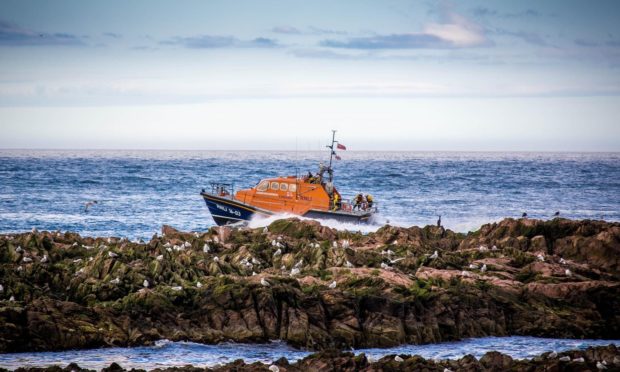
(391, 75)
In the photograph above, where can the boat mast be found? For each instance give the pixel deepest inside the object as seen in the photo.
(331, 155)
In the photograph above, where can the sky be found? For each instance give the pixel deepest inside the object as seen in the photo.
(388, 75)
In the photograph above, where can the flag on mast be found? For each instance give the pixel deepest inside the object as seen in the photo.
(341, 147)
(336, 156)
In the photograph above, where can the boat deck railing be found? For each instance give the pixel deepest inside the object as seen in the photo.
(224, 190)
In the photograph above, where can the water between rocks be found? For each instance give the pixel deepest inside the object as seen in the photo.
(167, 353)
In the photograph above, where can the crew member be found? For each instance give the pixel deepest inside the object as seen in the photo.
(369, 201)
(359, 199)
(336, 202)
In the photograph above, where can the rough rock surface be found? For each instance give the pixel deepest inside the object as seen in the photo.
(605, 358)
(310, 285)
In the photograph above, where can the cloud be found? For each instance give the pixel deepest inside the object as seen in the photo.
(325, 31)
(215, 42)
(528, 37)
(14, 35)
(585, 43)
(112, 35)
(482, 11)
(286, 30)
(454, 32)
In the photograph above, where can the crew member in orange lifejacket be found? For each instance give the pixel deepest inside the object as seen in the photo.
(336, 202)
(369, 201)
(359, 199)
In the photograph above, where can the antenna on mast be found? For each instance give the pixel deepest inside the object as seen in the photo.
(331, 155)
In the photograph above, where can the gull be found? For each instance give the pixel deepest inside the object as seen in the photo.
(565, 358)
(112, 254)
(264, 282)
(178, 248)
(265, 230)
(196, 235)
(385, 266)
(255, 261)
(145, 283)
(600, 366)
(335, 244)
(274, 243)
(216, 239)
(332, 285)
(484, 268)
(278, 252)
(295, 271)
(390, 252)
(299, 264)
(206, 248)
(465, 273)
(253, 273)
(103, 247)
(447, 370)
(568, 272)
(74, 244)
(115, 281)
(44, 259)
(434, 255)
(383, 253)
(177, 288)
(81, 270)
(579, 360)
(198, 285)
(348, 264)
(483, 248)
(541, 258)
(279, 237)
(395, 242)
(345, 244)
(34, 230)
(90, 259)
(160, 257)
(396, 260)
(187, 244)
(216, 259)
(398, 359)
(473, 266)
(19, 249)
(109, 240)
(87, 246)
(274, 368)
(89, 204)
(26, 259)
(1, 288)
(553, 355)
(19, 268)
(494, 248)
(562, 261)
(169, 249)
(167, 245)
(12, 299)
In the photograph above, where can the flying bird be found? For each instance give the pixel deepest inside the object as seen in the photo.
(89, 204)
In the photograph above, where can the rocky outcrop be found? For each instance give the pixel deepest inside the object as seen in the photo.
(605, 358)
(310, 285)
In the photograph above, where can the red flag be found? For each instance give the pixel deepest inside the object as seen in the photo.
(341, 147)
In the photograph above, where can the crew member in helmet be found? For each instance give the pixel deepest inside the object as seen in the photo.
(336, 202)
(357, 202)
(369, 201)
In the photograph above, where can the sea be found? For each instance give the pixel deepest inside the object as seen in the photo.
(139, 191)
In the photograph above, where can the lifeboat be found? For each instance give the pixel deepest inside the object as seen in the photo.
(312, 196)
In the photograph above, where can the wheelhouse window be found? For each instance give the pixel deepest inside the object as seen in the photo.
(275, 186)
(284, 186)
(263, 186)
(292, 187)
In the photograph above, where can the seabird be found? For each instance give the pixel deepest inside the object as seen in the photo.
(465, 273)
(274, 368)
(541, 258)
(565, 358)
(483, 248)
(216, 259)
(277, 253)
(473, 266)
(1, 288)
(332, 285)
(264, 282)
(44, 259)
(562, 261)
(26, 259)
(187, 244)
(112, 254)
(253, 273)
(553, 355)
(385, 266)
(398, 359)
(19, 249)
(295, 271)
(89, 204)
(12, 299)
(396, 260)
(345, 244)
(160, 257)
(115, 281)
(34, 230)
(557, 213)
(77, 260)
(600, 366)
(196, 235)
(198, 285)
(568, 272)
(348, 264)
(484, 268)
(335, 244)
(299, 264)
(145, 283)
(579, 360)
(177, 288)
(434, 255)
(494, 248)
(283, 268)
(206, 248)
(274, 243)
(167, 245)
(265, 230)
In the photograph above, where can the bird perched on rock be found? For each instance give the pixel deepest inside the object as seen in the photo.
(206, 248)
(567, 272)
(264, 282)
(112, 254)
(19, 249)
(177, 288)
(348, 264)
(494, 248)
(277, 253)
(26, 259)
(473, 266)
(562, 261)
(299, 263)
(385, 266)
(552, 355)
(274, 368)
(335, 244)
(541, 258)
(465, 273)
(295, 271)
(167, 245)
(283, 268)
(265, 230)
(12, 299)
(44, 259)
(398, 359)
(253, 273)
(34, 230)
(115, 281)
(160, 257)
(396, 260)
(565, 358)
(332, 285)
(484, 268)
(483, 248)
(439, 221)
(216, 259)
(196, 235)
(600, 366)
(1, 288)
(187, 244)
(274, 243)
(345, 244)
(434, 255)
(579, 360)
(145, 283)
(198, 285)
